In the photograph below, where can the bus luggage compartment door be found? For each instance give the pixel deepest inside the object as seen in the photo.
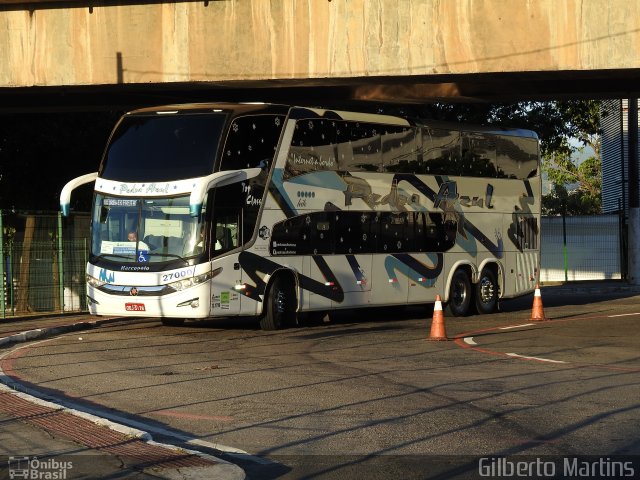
(425, 277)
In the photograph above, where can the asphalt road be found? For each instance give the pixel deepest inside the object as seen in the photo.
(366, 395)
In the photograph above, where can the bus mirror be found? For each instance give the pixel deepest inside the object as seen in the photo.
(218, 179)
(65, 195)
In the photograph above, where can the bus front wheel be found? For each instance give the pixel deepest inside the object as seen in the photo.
(459, 294)
(280, 307)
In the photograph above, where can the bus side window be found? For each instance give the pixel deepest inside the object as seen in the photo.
(416, 232)
(479, 155)
(309, 234)
(251, 143)
(366, 148)
(322, 233)
(399, 149)
(440, 233)
(392, 237)
(226, 228)
(440, 150)
(517, 157)
(313, 147)
(353, 232)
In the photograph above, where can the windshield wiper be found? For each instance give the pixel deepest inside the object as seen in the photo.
(105, 255)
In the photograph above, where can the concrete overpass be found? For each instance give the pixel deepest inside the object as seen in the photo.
(90, 53)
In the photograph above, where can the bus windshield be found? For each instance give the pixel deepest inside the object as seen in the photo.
(145, 230)
(159, 148)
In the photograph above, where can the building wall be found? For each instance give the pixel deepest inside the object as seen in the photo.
(615, 152)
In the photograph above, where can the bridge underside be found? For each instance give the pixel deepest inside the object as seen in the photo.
(488, 87)
(100, 54)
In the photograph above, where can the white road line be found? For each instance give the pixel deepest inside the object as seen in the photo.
(516, 326)
(534, 358)
(469, 341)
(623, 315)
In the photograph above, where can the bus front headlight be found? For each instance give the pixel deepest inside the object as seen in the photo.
(193, 281)
(94, 282)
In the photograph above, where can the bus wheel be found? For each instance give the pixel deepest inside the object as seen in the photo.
(459, 294)
(486, 292)
(280, 307)
(172, 322)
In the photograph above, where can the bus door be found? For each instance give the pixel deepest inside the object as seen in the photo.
(224, 235)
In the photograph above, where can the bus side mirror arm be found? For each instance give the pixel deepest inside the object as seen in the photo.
(217, 179)
(65, 195)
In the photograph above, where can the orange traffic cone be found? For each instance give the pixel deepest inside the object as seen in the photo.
(437, 324)
(537, 312)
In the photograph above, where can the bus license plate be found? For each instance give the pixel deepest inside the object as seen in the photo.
(134, 307)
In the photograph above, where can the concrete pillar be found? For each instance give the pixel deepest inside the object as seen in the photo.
(633, 165)
(634, 246)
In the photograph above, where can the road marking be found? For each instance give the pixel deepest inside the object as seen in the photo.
(469, 341)
(623, 315)
(517, 326)
(534, 358)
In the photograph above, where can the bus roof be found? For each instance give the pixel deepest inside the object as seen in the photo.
(310, 112)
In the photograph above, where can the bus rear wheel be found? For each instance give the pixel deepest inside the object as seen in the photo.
(459, 294)
(280, 307)
(486, 292)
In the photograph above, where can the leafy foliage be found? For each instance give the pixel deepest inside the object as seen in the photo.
(584, 199)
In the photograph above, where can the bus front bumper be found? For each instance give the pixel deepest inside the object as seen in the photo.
(189, 303)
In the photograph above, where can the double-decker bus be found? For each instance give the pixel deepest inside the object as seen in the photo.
(218, 210)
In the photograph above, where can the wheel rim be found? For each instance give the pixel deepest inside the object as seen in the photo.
(487, 290)
(280, 302)
(459, 293)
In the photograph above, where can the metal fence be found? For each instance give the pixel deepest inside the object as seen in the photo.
(43, 260)
(44, 257)
(587, 247)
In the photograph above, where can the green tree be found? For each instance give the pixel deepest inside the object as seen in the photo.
(585, 181)
(577, 185)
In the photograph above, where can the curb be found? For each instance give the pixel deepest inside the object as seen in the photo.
(45, 332)
(209, 465)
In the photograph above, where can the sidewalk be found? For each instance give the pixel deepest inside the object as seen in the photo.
(44, 439)
(588, 287)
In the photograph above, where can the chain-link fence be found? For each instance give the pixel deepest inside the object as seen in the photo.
(586, 247)
(43, 260)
